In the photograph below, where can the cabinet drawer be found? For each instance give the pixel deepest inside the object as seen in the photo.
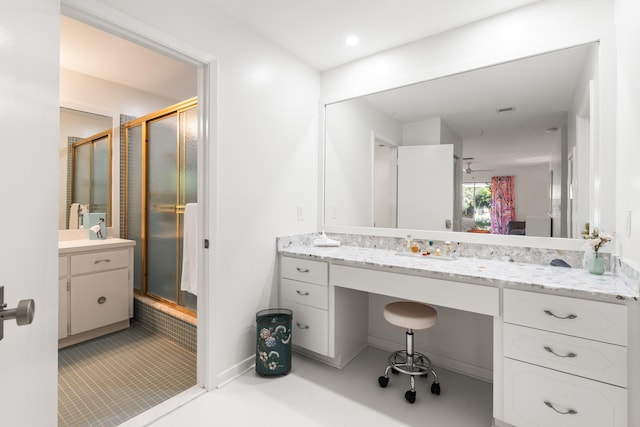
(305, 270)
(591, 359)
(536, 397)
(99, 261)
(99, 299)
(572, 316)
(63, 270)
(310, 327)
(305, 293)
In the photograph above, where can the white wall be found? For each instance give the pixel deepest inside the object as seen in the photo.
(628, 129)
(263, 163)
(502, 38)
(423, 132)
(348, 136)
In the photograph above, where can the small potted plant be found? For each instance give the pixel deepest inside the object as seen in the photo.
(597, 239)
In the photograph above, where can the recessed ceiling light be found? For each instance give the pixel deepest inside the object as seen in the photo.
(352, 41)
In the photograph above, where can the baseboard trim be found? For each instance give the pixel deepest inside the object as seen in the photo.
(438, 360)
(236, 371)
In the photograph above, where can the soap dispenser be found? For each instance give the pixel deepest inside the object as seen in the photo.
(407, 242)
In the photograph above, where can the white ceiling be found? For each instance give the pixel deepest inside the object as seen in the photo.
(96, 53)
(315, 31)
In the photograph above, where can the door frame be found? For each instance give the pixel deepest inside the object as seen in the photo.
(392, 144)
(128, 28)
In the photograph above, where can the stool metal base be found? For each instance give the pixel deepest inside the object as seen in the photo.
(412, 363)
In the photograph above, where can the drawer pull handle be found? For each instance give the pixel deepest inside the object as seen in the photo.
(102, 300)
(550, 350)
(302, 270)
(569, 317)
(98, 261)
(304, 294)
(302, 327)
(569, 412)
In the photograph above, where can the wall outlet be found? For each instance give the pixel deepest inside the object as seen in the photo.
(300, 213)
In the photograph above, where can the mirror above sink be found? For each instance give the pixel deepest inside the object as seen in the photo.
(86, 169)
(531, 118)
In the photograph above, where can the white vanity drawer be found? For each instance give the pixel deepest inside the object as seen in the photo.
(537, 397)
(63, 269)
(305, 270)
(99, 299)
(310, 327)
(99, 261)
(305, 293)
(591, 359)
(572, 316)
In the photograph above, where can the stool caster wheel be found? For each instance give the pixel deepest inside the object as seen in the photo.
(383, 381)
(435, 388)
(410, 395)
(394, 371)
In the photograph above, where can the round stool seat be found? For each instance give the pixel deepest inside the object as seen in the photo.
(410, 315)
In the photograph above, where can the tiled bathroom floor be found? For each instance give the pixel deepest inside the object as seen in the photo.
(110, 379)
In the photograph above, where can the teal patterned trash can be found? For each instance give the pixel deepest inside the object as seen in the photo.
(273, 349)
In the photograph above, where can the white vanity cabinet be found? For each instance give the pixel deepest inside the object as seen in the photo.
(565, 361)
(329, 322)
(96, 288)
(304, 289)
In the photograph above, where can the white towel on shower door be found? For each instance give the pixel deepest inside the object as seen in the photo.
(189, 279)
(74, 217)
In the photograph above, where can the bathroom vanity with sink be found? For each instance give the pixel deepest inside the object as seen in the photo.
(95, 288)
(561, 346)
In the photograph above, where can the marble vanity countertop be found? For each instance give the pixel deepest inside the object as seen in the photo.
(475, 270)
(69, 246)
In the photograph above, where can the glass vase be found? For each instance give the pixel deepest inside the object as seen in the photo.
(597, 265)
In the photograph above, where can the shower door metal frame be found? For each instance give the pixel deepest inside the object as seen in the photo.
(178, 208)
(92, 140)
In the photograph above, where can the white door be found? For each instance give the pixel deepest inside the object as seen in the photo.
(29, 113)
(425, 187)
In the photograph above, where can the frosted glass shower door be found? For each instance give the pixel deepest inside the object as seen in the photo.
(161, 178)
(162, 211)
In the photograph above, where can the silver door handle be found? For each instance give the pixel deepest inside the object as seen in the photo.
(23, 313)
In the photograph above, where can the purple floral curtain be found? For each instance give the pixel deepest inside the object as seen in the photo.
(502, 204)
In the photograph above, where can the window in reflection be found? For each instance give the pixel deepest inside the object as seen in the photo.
(476, 206)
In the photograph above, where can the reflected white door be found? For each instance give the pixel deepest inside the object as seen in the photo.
(29, 107)
(384, 186)
(425, 187)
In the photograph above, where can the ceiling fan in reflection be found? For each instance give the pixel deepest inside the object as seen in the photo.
(469, 171)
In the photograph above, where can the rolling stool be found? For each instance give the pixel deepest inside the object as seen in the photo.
(410, 315)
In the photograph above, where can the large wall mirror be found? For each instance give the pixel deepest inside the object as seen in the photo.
(412, 157)
(86, 148)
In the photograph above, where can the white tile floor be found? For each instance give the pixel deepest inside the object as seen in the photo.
(314, 394)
